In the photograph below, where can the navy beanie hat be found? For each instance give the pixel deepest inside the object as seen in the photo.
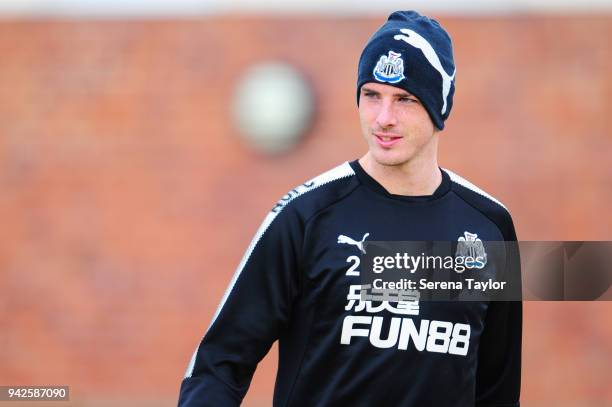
(414, 53)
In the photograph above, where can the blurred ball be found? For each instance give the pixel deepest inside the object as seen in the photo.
(273, 107)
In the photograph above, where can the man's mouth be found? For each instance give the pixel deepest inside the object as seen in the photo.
(386, 140)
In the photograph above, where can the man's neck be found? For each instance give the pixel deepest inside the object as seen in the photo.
(409, 179)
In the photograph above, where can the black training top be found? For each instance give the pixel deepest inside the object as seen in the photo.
(298, 283)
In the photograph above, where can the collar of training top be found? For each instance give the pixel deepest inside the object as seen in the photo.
(371, 183)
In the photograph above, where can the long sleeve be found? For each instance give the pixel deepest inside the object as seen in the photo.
(498, 377)
(256, 307)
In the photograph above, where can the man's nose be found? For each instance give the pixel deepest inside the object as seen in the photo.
(386, 116)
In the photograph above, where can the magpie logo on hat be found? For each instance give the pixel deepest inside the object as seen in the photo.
(390, 68)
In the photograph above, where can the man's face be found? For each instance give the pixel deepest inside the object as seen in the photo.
(395, 125)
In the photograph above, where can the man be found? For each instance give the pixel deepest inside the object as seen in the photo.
(299, 281)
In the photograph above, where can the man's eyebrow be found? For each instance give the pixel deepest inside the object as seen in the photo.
(366, 89)
(404, 94)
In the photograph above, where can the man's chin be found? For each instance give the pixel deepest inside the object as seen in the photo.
(389, 160)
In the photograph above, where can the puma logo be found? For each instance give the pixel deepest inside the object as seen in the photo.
(342, 239)
(421, 43)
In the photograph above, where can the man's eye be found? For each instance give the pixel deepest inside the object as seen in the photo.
(369, 94)
(407, 99)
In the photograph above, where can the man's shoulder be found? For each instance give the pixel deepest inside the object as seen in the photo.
(484, 202)
(319, 191)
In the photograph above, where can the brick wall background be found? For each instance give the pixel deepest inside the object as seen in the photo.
(128, 198)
